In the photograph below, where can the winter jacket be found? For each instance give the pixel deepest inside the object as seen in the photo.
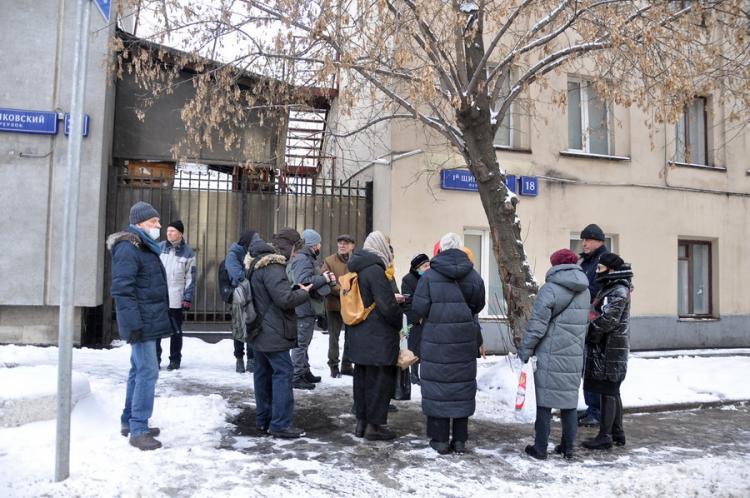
(274, 300)
(235, 263)
(448, 297)
(608, 338)
(139, 288)
(337, 264)
(409, 286)
(304, 272)
(375, 341)
(179, 264)
(556, 333)
(588, 263)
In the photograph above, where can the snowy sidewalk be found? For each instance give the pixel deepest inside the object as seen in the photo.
(206, 413)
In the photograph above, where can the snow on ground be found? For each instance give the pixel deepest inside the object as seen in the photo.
(193, 406)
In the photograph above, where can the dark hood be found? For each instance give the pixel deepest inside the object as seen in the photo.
(361, 259)
(569, 276)
(453, 263)
(260, 247)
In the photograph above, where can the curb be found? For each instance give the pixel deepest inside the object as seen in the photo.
(695, 405)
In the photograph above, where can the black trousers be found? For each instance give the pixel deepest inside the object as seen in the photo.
(569, 422)
(374, 387)
(439, 429)
(239, 350)
(175, 340)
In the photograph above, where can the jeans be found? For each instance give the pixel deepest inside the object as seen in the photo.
(239, 350)
(139, 395)
(593, 402)
(542, 428)
(439, 429)
(374, 387)
(274, 397)
(305, 328)
(175, 341)
(335, 325)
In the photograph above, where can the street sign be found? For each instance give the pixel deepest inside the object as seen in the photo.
(66, 128)
(104, 7)
(22, 121)
(529, 186)
(462, 179)
(512, 183)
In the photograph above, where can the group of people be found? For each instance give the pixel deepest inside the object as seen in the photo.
(440, 297)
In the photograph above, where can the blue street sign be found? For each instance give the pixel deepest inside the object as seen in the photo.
(21, 121)
(511, 183)
(66, 128)
(458, 179)
(104, 7)
(529, 186)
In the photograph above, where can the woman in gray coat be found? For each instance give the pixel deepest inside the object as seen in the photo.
(556, 334)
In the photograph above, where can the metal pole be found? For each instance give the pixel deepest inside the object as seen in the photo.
(67, 274)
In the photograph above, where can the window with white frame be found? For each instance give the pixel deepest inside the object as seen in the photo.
(588, 119)
(480, 243)
(694, 278)
(691, 134)
(503, 135)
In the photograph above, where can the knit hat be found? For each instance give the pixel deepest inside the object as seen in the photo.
(563, 257)
(177, 225)
(378, 244)
(611, 261)
(247, 237)
(592, 232)
(286, 241)
(142, 211)
(311, 237)
(450, 241)
(345, 237)
(418, 261)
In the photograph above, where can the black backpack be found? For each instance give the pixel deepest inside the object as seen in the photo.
(226, 289)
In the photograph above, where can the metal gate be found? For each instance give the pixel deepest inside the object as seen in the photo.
(216, 204)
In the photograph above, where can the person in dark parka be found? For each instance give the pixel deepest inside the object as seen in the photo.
(448, 297)
(374, 343)
(608, 346)
(419, 264)
(274, 336)
(555, 334)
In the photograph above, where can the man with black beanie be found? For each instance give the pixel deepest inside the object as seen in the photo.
(235, 265)
(594, 248)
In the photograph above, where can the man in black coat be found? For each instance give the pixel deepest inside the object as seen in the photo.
(418, 265)
(594, 248)
(274, 335)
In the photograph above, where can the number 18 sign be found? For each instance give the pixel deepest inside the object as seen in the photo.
(529, 186)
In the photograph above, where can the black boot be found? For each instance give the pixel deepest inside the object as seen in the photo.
(618, 430)
(313, 379)
(442, 447)
(359, 431)
(535, 453)
(375, 432)
(603, 440)
(335, 372)
(240, 368)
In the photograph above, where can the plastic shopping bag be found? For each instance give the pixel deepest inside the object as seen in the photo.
(525, 405)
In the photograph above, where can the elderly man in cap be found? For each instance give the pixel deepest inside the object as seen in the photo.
(139, 288)
(179, 263)
(336, 264)
(594, 248)
(303, 270)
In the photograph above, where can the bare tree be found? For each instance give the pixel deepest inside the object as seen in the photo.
(456, 67)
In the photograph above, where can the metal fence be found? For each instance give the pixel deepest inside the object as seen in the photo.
(216, 206)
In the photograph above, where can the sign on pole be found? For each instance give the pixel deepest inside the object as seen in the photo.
(66, 128)
(104, 7)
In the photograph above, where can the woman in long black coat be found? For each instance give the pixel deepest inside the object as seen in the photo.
(374, 343)
(419, 264)
(607, 348)
(448, 297)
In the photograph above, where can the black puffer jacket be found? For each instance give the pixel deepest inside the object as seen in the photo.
(374, 341)
(588, 263)
(448, 297)
(608, 337)
(274, 299)
(409, 286)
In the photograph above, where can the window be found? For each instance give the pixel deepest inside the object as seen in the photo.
(691, 133)
(479, 241)
(694, 278)
(503, 136)
(588, 119)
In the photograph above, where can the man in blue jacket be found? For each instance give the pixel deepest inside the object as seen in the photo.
(234, 263)
(139, 288)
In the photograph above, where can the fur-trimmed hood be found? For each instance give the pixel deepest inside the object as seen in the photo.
(126, 235)
(268, 259)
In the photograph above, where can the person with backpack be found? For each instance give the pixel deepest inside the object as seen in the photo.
(336, 263)
(372, 333)
(447, 299)
(555, 334)
(234, 264)
(607, 348)
(419, 264)
(272, 335)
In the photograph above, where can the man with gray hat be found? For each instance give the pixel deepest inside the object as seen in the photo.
(139, 288)
(336, 264)
(304, 272)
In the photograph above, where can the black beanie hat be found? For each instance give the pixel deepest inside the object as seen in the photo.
(177, 225)
(611, 261)
(418, 261)
(592, 232)
(142, 211)
(246, 237)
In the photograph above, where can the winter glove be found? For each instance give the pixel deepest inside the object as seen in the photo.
(186, 305)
